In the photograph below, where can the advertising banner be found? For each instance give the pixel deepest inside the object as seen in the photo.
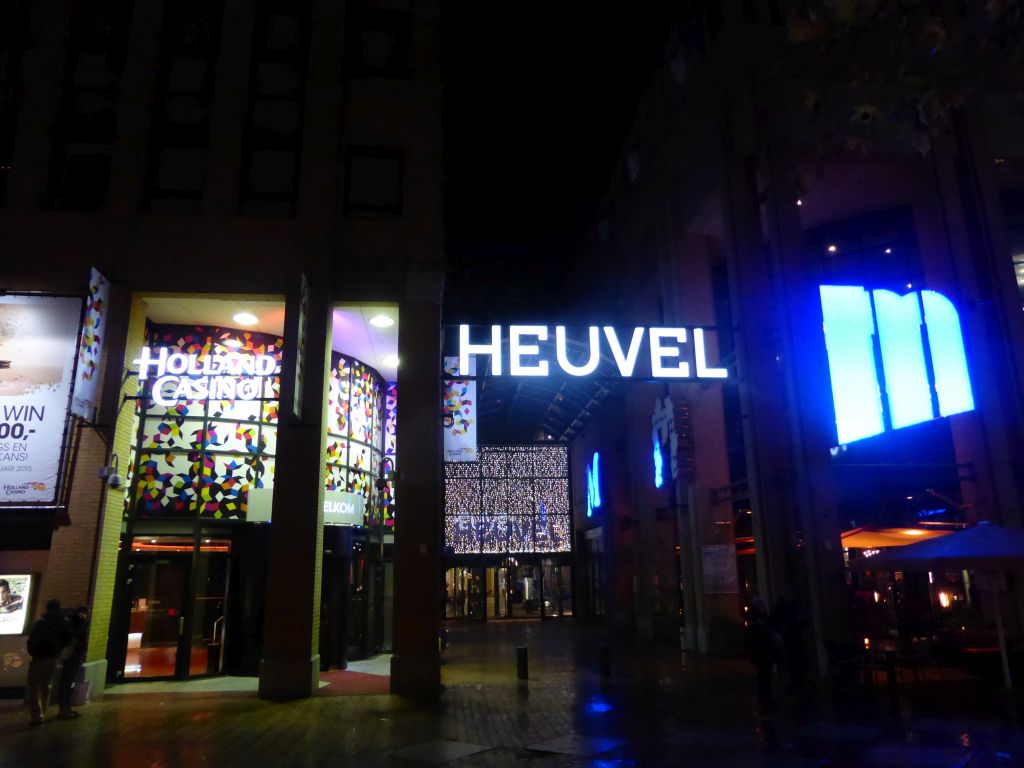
(85, 396)
(14, 593)
(460, 404)
(38, 340)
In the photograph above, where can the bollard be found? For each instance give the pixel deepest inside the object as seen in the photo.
(522, 663)
(604, 661)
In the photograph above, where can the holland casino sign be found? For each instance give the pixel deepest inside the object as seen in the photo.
(668, 350)
(177, 376)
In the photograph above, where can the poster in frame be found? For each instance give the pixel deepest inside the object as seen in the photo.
(15, 594)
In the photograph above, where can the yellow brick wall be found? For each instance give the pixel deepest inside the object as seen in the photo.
(113, 511)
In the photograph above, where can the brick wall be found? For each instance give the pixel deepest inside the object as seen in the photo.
(113, 510)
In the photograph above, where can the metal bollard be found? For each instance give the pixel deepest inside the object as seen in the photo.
(522, 663)
(604, 661)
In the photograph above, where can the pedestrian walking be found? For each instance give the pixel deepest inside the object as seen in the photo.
(789, 621)
(763, 648)
(50, 635)
(78, 621)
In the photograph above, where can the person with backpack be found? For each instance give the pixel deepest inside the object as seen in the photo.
(50, 635)
(78, 622)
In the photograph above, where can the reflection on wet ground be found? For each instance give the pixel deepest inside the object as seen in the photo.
(650, 711)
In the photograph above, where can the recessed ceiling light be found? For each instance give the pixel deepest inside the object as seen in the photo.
(391, 361)
(381, 321)
(245, 318)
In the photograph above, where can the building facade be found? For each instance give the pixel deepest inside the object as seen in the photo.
(766, 182)
(212, 161)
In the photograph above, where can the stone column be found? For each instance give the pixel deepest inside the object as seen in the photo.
(290, 667)
(756, 329)
(416, 664)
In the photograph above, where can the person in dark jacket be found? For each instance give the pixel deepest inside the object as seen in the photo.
(48, 638)
(78, 620)
(763, 649)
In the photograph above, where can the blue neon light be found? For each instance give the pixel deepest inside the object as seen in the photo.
(594, 484)
(659, 462)
(849, 329)
(906, 376)
(854, 321)
(946, 344)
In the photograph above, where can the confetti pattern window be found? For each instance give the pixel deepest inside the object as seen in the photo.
(361, 424)
(514, 500)
(200, 457)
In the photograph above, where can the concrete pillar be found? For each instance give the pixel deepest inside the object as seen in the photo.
(416, 664)
(804, 362)
(979, 270)
(290, 667)
(229, 108)
(689, 293)
(135, 109)
(42, 81)
(756, 329)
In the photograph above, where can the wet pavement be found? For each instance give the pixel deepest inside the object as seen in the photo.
(650, 711)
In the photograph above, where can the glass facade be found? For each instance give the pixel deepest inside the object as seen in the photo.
(201, 457)
(361, 414)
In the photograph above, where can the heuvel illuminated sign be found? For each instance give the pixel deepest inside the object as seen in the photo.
(668, 350)
(917, 340)
(177, 376)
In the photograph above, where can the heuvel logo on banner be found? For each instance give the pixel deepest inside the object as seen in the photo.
(917, 340)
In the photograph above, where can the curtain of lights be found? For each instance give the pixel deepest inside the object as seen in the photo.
(514, 499)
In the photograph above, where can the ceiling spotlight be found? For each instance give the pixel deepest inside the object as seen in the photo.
(391, 361)
(245, 318)
(381, 321)
(832, 249)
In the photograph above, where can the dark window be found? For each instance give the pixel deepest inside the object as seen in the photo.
(13, 37)
(377, 42)
(180, 142)
(277, 86)
(373, 181)
(80, 165)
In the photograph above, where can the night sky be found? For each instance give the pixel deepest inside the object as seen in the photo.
(539, 98)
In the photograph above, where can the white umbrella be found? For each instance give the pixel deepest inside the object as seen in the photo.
(985, 547)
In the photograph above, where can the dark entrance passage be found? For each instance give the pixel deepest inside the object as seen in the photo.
(519, 588)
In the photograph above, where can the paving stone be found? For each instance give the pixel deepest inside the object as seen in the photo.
(439, 751)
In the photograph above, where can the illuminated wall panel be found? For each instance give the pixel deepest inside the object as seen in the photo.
(515, 499)
(201, 457)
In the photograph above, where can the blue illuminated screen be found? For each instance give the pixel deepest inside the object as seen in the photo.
(893, 360)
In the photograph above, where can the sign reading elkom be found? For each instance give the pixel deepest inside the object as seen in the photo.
(918, 341)
(668, 350)
(178, 376)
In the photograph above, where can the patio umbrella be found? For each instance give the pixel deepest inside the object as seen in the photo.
(985, 547)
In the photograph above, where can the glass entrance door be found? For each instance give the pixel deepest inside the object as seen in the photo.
(177, 600)
(498, 592)
(156, 585)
